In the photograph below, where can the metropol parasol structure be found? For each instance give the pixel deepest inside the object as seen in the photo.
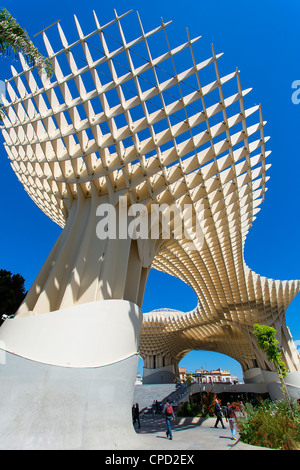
(124, 124)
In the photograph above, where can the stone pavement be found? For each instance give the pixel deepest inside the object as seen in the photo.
(188, 434)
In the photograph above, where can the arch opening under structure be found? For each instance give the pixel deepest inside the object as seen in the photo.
(198, 360)
(169, 335)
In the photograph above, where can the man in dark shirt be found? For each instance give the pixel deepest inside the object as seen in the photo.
(218, 413)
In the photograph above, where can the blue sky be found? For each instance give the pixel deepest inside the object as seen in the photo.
(261, 39)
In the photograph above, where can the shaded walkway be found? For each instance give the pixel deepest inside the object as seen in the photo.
(189, 434)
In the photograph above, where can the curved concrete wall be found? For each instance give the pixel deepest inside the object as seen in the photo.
(253, 375)
(50, 407)
(160, 375)
(67, 378)
(272, 382)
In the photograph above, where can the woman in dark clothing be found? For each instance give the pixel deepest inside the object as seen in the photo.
(136, 414)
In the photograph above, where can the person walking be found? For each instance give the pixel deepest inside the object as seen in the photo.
(136, 414)
(169, 414)
(218, 413)
(231, 417)
(154, 407)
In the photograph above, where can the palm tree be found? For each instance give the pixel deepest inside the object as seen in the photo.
(14, 39)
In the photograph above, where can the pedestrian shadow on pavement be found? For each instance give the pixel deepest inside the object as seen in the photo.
(158, 424)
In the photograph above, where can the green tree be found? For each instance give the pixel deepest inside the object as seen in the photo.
(267, 342)
(12, 292)
(189, 378)
(14, 39)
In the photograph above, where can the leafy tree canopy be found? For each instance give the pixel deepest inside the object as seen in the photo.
(267, 342)
(14, 39)
(12, 292)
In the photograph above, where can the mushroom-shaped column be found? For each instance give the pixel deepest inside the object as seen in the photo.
(112, 141)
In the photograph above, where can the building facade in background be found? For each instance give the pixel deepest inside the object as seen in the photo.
(203, 376)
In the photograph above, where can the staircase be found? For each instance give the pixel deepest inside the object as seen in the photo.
(144, 395)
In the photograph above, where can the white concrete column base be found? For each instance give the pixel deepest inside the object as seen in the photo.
(273, 384)
(87, 335)
(293, 384)
(160, 375)
(67, 378)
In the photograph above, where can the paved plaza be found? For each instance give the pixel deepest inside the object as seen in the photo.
(189, 434)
